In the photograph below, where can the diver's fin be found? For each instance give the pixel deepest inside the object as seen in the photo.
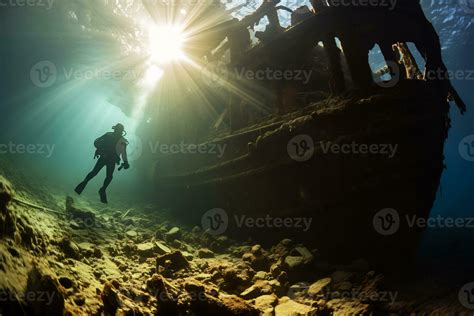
(80, 187)
(103, 195)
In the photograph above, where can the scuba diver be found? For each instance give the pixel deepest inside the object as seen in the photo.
(109, 148)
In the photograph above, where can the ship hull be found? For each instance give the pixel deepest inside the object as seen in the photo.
(340, 192)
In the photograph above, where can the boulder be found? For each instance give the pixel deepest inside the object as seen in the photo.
(173, 234)
(41, 282)
(318, 287)
(146, 249)
(266, 303)
(205, 253)
(161, 248)
(174, 261)
(259, 288)
(288, 307)
(131, 234)
(345, 306)
(110, 299)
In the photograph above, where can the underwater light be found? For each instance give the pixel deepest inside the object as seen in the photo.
(165, 43)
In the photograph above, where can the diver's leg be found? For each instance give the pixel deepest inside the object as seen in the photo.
(98, 166)
(108, 179)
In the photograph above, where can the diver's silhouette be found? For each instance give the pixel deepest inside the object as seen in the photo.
(109, 148)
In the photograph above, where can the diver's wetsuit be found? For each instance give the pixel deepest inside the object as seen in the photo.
(110, 147)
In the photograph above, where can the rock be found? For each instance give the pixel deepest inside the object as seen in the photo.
(175, 261)
(257, 262)
(256, 250)
(234, 305)
(205, 253)
(298, 290)
(266, 303)
(39, 281)
(70, 248)
(248, 257)
(74, 225)
(6, 193)
(260, 275)
(341, 276)
(146, 249)
(235, 279)
(166, 294)
(131, 234)
(203, 303)
(299, 256)
(173, 233)
(344, 306)
(277, 268)
(259, 288)
(161, 248)
(110, 299)
(288, 307)
(85, 217)
(317, 287)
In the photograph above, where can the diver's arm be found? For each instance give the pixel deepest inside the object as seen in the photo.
(123, 154)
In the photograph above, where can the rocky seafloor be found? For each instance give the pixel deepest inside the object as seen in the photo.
(65, 259)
